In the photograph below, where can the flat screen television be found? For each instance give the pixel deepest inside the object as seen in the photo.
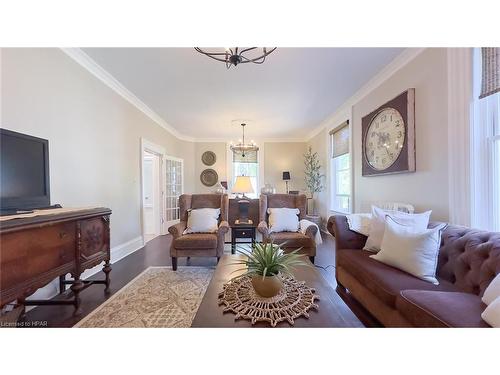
(24, 172)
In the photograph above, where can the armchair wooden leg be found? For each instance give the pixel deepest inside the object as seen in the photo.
(174, 263)
(218, 258)
(311, 259)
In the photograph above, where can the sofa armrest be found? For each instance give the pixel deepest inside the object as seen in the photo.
(263, 229)
(177, 229)
(344, 237)
(223, 227)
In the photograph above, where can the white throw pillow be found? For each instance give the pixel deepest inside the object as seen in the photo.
(491, 314)
(377, 225)
(492, 292)
(411, 250)
(202, 220)
(360, 223)
(283, 219)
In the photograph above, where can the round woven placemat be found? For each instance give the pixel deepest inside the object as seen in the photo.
(294, 300)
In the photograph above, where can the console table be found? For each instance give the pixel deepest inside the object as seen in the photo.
(37, 249)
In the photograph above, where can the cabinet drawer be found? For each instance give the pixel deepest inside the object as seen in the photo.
(244, 232)
(29, 255)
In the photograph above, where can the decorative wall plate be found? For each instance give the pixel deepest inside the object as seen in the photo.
(209, 177)
(209, 158)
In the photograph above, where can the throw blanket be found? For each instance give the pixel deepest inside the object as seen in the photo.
(360, 223)
(304, 224)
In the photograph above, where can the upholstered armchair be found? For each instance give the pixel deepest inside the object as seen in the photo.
(199, 244)
(294, 240)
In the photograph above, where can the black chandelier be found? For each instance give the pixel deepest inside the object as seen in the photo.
(235, 55)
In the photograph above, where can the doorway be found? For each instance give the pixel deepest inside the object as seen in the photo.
(151, 194)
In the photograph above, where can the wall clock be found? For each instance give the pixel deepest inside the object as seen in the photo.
(388, 133)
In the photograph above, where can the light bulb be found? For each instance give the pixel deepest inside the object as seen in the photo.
(226, 49)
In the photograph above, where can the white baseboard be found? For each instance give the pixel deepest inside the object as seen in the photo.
(117, 253)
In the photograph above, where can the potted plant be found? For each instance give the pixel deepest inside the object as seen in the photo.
(313, 176)
(266, 264)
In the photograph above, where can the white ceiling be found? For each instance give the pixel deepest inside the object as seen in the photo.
(286, 97)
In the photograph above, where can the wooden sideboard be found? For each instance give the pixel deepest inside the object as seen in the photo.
(36, 250)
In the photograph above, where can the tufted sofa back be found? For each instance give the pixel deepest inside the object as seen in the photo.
(469, 258)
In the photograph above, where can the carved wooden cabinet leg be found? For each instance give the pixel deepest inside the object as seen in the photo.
(76, 288)
(107, 269)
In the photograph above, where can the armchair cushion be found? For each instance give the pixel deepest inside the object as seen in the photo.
(283, 219)
(196, 241)
(202, 220)
(292, 239)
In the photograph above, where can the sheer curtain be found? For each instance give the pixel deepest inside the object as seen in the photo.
(485, 155)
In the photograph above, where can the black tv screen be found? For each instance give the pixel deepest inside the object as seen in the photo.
(24, 173)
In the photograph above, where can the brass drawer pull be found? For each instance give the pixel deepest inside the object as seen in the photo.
(62, 235)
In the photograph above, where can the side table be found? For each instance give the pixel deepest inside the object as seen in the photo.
(242, 231)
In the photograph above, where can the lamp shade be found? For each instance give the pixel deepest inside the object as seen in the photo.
(243, 185)
(286, 176)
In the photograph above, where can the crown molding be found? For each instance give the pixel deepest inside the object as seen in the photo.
(104, 76)
(390, 69)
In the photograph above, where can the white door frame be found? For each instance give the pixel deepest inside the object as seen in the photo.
(160, 151)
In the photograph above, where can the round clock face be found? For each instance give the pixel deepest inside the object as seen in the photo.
(384, 139)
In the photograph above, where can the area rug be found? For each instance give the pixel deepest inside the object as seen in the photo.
(158, 297)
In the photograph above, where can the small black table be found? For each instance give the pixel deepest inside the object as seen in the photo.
(246, 230)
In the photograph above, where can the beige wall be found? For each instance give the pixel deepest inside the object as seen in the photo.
(94, 134)
(427, 188)
(318, 144)
(219, 148)
(284, 156)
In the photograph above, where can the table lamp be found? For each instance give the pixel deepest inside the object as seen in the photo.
(286, 178)
(243, 185)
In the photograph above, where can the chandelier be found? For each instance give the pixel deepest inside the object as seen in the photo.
(235, 55)
(241, 146)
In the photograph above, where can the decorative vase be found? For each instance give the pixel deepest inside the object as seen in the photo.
(267, 287)
(310, 206)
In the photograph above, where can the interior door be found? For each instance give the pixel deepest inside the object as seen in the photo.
(174, 178)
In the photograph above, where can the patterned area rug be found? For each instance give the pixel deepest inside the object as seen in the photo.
(158, 297)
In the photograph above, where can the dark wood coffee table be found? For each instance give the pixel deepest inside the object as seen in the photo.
(333, 312)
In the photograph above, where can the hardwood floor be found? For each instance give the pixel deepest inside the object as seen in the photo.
(155, 253)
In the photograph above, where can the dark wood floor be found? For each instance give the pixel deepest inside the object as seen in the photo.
(155, 253)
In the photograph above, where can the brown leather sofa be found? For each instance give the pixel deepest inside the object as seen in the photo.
(199, 244)
(294, 240)
(468, 260)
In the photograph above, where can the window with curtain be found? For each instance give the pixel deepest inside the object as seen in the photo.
(340, 169)
(247, 165)
(485, 163)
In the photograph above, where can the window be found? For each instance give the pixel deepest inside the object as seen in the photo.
(340, 169)
(174, 187)
(247, 165)
(485, 155)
